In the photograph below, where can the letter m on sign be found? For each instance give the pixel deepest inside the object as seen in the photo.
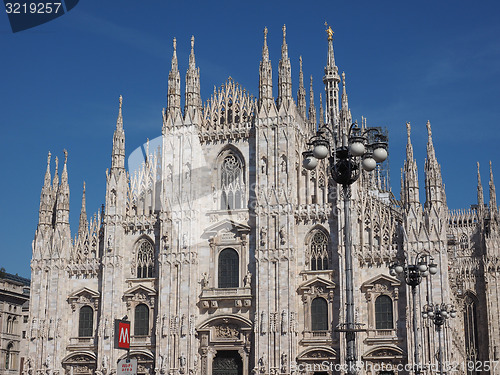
(122, 334)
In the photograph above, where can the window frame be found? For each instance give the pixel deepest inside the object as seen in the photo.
(81, 330)
(145, 268)
(314, 315)
(389, 303)
(235, 281)
(145, 329)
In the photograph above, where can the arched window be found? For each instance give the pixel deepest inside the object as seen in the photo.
(141, 322)
(319, 314)
(9, 324)
(383, 313)
(86, 322)
(229, 269)
(464, 242)
(8, 356)
(471, 334)
(145, 260)
(232, 182)
(318, 248)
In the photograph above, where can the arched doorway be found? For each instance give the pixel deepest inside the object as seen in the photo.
(227, 362)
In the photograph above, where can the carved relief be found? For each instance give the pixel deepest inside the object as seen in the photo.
(227, 331)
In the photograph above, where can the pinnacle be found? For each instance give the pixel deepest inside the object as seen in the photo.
(47, 173)
(119, 120)
(55, 182)
(265, 49)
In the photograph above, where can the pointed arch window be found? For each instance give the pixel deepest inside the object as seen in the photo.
(471, 334)
(231, 182)
(86, 322)
(145, 260)
(383, 313)
(318, 250)
(319, 314)
(464, 242)
(141, 321)
(228, 275)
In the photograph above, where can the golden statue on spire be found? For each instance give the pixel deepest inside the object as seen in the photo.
(329, 31)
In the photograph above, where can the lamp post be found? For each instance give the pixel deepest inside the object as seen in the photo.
(438, 315)
(365, 147)
(413, 271)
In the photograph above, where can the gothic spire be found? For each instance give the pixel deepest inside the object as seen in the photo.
(193, 99)
(345, 105)
(83, 224)
(174, 85)
(331, 80)
(345, 113)
(301, 93)
(493, 193)
(46, 182)
(62, 202)
(118, 153)
(410, 189)
(265, 76)
(312, 107)
(433, 182)
(285, 75)
(480, 195)
(55, 181)
(321, 113)
(46, 202)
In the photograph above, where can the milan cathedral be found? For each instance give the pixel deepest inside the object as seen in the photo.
(226, 255)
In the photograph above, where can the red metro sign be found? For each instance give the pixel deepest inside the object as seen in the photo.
(122, 334)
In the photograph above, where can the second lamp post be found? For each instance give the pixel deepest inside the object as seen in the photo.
(359, 146)
(413, 272)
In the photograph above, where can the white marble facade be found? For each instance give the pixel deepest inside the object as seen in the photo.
(227, 255)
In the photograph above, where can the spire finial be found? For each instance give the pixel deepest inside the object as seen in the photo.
(329, 31)
(49, 154)
(480, 198)
(119, 120)
(192, 42)
(284, 33)
(82, 227)
(57, 165)
(300, 63)
(265, 50)
(408, 130)
(493, 193)
(429, 130)
(65, 156)
(175, 45)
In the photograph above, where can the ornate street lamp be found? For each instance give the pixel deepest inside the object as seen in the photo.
(438, 314)
(413, 271)
(360, 147)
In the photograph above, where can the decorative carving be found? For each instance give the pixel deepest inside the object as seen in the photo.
(227, 331)
(284, 322)
(263, 322)
(263, 235)
(164, 326)
(247, 279)
(183, 326)
(282, 234)
(205, 278)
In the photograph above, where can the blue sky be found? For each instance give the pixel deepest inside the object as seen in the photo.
(404, 61)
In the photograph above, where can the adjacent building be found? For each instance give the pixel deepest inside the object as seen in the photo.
(14, 314)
